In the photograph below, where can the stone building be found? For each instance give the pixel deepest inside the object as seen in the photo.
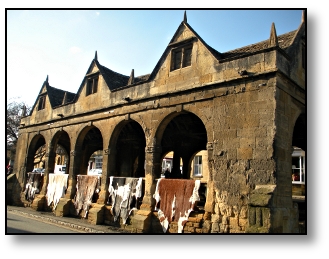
(244, 108)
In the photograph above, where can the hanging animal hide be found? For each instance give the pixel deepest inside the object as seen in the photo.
(123, 191)
(56, 188)
(86, 188)
(33, 185)
(175, 199)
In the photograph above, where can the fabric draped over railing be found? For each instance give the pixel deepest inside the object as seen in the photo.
(33, 185)
(87, 186)
(123, 194)
(56, 188)
(175, 199)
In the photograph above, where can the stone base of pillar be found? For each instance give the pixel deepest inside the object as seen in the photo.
(102, 197)
(63, 207)
(39, 202)
(96, 214)
(146, 207)
(142, 221)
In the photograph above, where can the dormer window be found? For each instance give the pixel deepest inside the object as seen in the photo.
(92, 84)
(181, 57)
(42, 102)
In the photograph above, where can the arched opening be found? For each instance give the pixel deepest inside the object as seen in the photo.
(85, 189)
(130, 147)
(298, 156)
(36, 154)
(35, 167)
(89, 141)
(95, 163)
(298, 162)
(184, 136)
(61, 143)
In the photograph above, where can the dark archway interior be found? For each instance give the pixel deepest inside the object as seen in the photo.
(299, 135)
(63, 148)
(92, 142)
(131, 151)
(185, 135)
(36, 152)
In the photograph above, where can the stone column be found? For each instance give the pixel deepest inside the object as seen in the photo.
(40, 201)
(24, 170)
(152, 172)
(49, 167)
(75, 159)
(210, 199)
(108, 169)
(175, 172)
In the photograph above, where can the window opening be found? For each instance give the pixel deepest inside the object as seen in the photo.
(298, 166)
(197, 166)
(181, 57)
(98, 162)
(42, 101)
(92, 84)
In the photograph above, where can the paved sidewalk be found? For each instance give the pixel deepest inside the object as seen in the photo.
(81, 224)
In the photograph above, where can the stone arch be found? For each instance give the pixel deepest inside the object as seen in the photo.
(61, 139)
(36, 143)
(183, 133)
(89, 140)
(299, 132)
(127, 144)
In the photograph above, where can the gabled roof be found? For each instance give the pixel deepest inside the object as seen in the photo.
(55, 95)
(112, 79)
(214, 52)
(284, 40)
(117, 81)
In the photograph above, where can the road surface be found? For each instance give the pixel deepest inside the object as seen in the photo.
(18, 224)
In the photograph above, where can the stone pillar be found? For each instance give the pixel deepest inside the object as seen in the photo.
(210, 199)
(28, 164)
(175, 173)
(49, 167)
(40, 201)
(75, 159)
(186, 170)
(108, 169)
(152, 172)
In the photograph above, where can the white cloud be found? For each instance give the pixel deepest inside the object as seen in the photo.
(75, 49)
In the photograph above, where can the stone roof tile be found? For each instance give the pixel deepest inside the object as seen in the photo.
(284, 41)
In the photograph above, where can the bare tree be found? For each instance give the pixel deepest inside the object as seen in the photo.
(15, 111)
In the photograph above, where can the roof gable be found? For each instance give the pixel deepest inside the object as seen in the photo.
(56, 97)
(112, 79)
(183, 34)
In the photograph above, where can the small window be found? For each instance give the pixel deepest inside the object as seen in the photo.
(99, 162)
(42, 102)
(197, 166)
(181, 57)
(92, 84)
(298, 166)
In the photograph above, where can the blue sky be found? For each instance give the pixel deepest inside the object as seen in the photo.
(62, 43)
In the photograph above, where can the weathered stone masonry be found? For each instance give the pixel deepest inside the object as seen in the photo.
(240, 106)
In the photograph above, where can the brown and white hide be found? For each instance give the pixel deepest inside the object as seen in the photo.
(56, 188)
(123, 191)
(33, 185)
(175, 199)
(86, 188)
